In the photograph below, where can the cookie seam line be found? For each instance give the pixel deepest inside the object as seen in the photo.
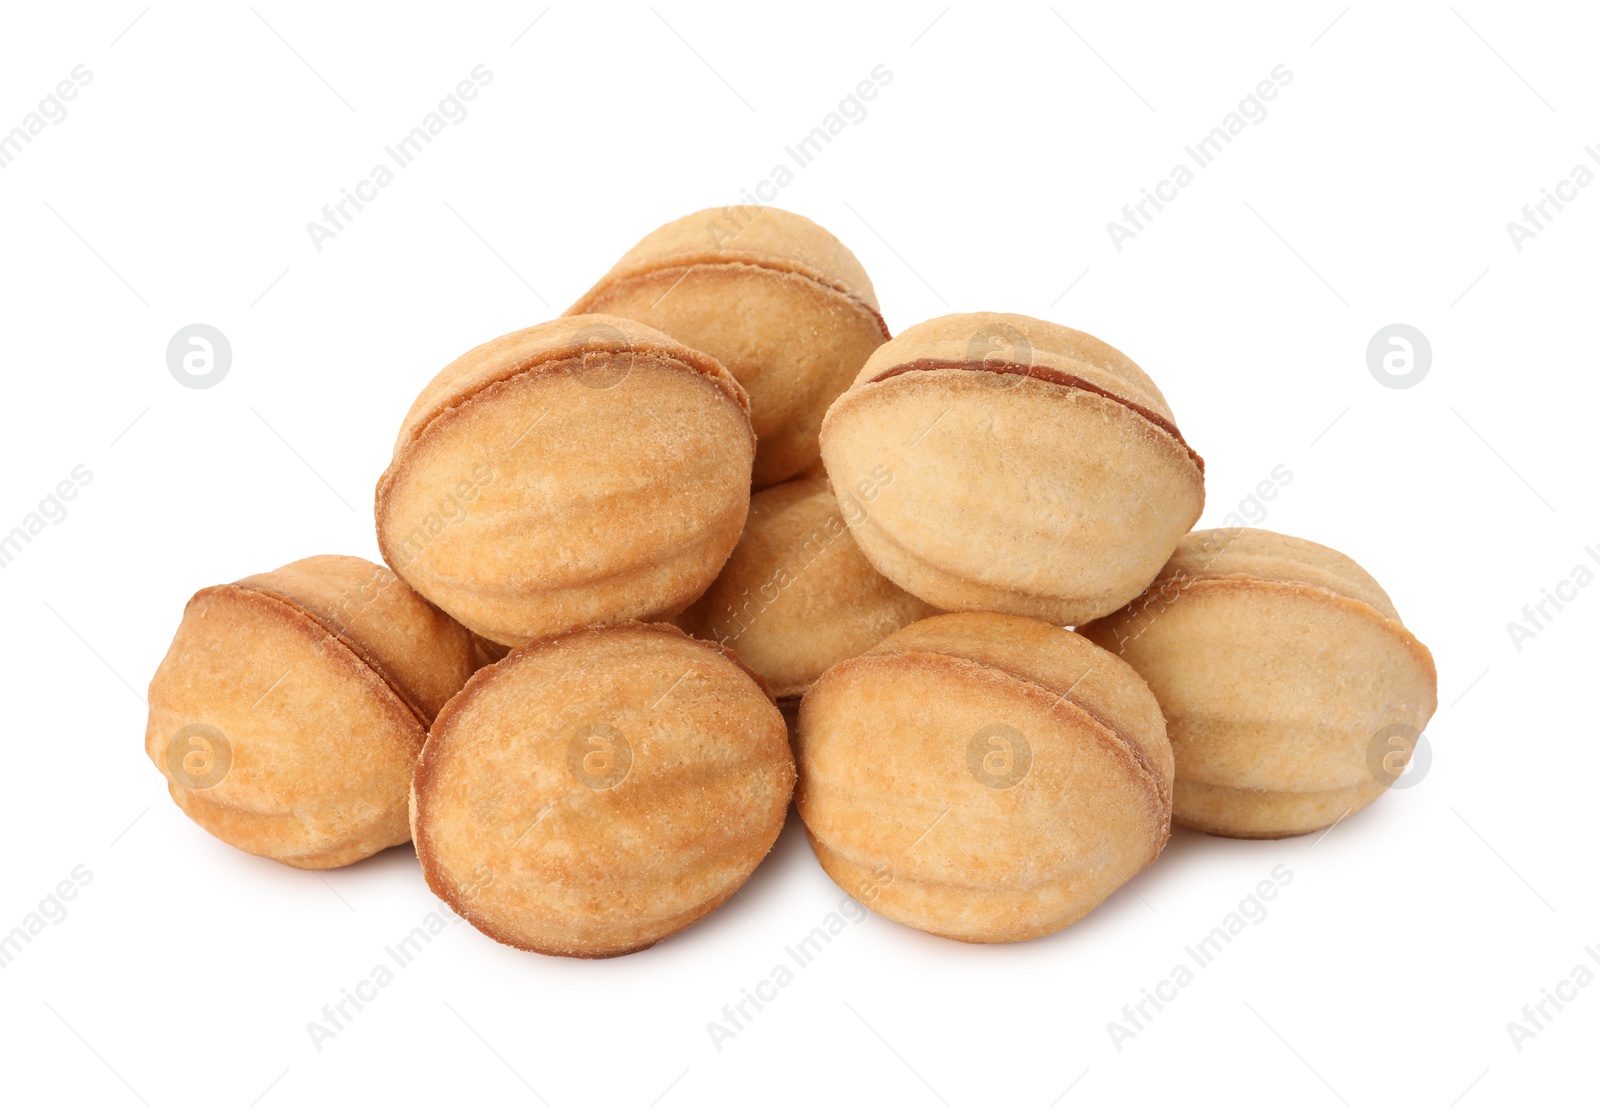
(1136, 755)
(1242, 580)
(592, 585)
(882, 535)
(287, 853)
(689, 263)
(398, 466)
(349, 644)
(533, 365)
(1045, 374)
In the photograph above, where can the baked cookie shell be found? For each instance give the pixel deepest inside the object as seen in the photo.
(776, 298)
(1038, 469)
(321, 725)
(900, 821)
(534, 858)
(797, 595)
(1274, 677)
(539, 485)
(1050, 445)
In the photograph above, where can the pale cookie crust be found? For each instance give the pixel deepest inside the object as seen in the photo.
(776, 298)
(797, 595)
(1278, 663)
(984, 777)
(1037, 470)
(587, 470)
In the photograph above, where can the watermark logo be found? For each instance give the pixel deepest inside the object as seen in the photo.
(607, 357)
(742, 1011)
(337, 216)
(451, 509)
(340, 1014)
(1535, 616)
(599, 756)
(1000, 341)
(52, 909)
(851, 110)
(1251, 909)
(1137, 216)
(1399, 356)
(999, 756)
(50, 511)
(52, 109)
(1537, 215)
(198, 757)
(199, 356)
(1537, 1014)
(1398, 756)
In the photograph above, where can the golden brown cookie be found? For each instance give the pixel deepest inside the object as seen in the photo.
(599, 790)
(783, 304)
(1036, 470)
(797, 595)
(983, 777)
(291, 706)
(586, 470)
(1293, 694)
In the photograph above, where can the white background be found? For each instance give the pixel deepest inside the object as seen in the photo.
(1376, 191)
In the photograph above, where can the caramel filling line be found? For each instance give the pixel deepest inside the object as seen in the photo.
(1049, 375)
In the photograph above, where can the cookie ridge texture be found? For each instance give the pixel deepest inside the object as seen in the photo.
(538, 850)
(320, 679)
(538, 482)
(984, 777)
(1286, 675)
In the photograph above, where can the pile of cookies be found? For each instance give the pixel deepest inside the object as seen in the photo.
(714, 540)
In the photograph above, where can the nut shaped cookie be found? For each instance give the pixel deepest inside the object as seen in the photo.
(1293, 693)
(587, 470)
(983, 777)
(777, 299)
(291, 706)
(797, 595)
(599, 790)
(1037, 470)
